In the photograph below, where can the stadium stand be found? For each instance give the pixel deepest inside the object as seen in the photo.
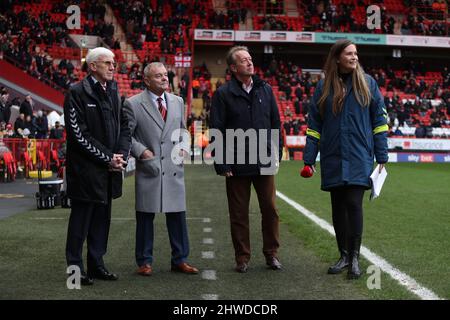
(34, 37)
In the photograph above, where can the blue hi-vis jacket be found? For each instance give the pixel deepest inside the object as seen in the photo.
(348, 141)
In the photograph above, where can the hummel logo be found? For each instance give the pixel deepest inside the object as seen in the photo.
(90, 105)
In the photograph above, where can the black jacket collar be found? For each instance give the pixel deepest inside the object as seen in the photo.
(111, 87)
(236, 85)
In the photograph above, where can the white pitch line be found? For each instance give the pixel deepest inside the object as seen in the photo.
(209, 274)
(210, 297)
(208, 255)
(62, 218)
(208, 241)
(411, 284)
(118, 219)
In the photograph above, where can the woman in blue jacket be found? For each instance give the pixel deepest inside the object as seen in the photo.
(348, 124)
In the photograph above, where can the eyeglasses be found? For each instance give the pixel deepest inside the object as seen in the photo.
(109, 63)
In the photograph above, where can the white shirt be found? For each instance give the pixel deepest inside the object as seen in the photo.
(95, 81)
(154, 98)
(249, 87)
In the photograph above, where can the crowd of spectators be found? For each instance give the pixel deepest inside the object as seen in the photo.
(166, 24)
(26, 35)
(412, 80)
(29, 122)
(23, 40)
(418, 17)
(94, 15)
(426, 18)
(412, 97)
(235, 13)
(272, 23)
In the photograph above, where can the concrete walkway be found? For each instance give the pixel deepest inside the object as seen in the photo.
(17, 196)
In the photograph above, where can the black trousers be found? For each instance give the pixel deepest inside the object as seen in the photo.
(346, 204)
(92, 221)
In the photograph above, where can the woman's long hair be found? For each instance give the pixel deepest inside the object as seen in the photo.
(334, 82)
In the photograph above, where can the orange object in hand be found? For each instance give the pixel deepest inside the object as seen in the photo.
(307, 172)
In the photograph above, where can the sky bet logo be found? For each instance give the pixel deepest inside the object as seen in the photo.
(373, 17)
(74, 20)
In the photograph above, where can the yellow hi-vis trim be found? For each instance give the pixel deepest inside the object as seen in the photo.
(313, 133)
(382, 128)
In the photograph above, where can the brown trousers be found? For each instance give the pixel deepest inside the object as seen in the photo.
(238, 193)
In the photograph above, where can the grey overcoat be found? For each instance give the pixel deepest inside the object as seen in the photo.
(159, 181)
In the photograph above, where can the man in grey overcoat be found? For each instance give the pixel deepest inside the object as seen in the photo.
(156, 120)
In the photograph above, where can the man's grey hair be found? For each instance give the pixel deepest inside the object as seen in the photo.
(151, 65)
(231, 54)
(98, 52)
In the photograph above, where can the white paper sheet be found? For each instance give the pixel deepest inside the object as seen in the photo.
(377, 181)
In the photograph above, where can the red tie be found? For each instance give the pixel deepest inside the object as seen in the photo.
(162, 108)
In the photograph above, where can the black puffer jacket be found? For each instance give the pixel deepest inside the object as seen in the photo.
(233, 108)
(88, 154)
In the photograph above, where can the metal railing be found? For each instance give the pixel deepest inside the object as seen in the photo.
(31, 153)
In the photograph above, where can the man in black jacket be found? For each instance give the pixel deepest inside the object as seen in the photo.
(57, 132)
(98, 144)
(247, 104)
(27, 106)
(5, 106)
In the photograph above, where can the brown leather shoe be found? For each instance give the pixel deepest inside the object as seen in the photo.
(145, 270)
(274, 263)
(241, 267)
(184, 268)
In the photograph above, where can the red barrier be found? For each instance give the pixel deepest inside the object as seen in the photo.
(9, 167)
(35, 153)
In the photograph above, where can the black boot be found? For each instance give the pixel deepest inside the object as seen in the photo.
(354, 272)
(342, 243)
(340, 265)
